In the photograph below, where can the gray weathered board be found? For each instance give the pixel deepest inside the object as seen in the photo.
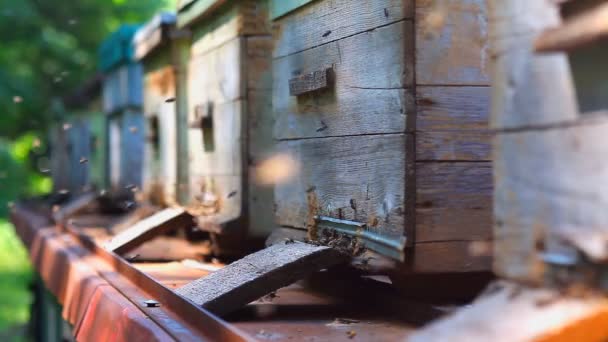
(547, 171)
(79, 154)
(258, 274)
(122, 88)
(132, 132)
(60, 162)
(230, 60)
(357, 159)
(566, 203)
(160, 164)
(166, 220)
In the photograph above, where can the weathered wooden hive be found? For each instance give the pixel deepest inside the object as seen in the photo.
(386, 114)
(155, 51)
(59, 165)
(122, 99)
(225, 115)
(87, 131)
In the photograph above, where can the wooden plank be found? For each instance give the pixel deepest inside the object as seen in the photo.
(453, 201)
(360, 179)
(371, 69)
(567, 203)
(219, 73)
(326, 21)
(216, 177)
(131, 149)
(526, 314)
(456, 53)
(250, 278)
(260, 203)
(159, 223)
(524, 81)
(260, 142)
(535, 93)
(74, 207)
(79, 153)
(60, 161)
(446, 257)
(122, 88)
(452, 123)
(159, 172)
(578, 31)
(258, 62)
(238, 19)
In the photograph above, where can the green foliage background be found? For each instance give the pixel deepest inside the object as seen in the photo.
(49, 48)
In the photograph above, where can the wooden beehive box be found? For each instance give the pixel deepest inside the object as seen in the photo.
(228, 94)
(69, 141)
(154, 49)
(60, 165)
(122, 100)
(85, 104)
(386, 114)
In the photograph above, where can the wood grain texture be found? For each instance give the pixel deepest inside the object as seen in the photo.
(329, 20)
(60, 161)
(236, 19)
(132, 132)
(533, 93)
(446, 257)
(354, 178)
(160, 166)
(122, 88)
(258, 62)
(260, 146)
(529, 89)
(455, 53)
(564, 318)
(79, 152)
(216, 177)
(453, 201)
(260, 273)
(216, 76)
(452, 123)
(164, 221)
(371, 69)
(566, 203)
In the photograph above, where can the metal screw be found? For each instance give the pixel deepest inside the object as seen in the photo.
(151, 303)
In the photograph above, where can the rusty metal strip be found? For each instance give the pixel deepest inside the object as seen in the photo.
(34, 227)
(206, 323)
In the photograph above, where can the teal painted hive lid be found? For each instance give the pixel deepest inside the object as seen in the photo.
(153, 34)
(189, 11)
(117, 49)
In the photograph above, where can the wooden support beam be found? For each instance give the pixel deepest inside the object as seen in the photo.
(582, 30)
(509, 312)
(74, 207)
(258, 274)
(160, 223)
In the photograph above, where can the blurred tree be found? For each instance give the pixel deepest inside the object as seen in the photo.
(49, 47)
